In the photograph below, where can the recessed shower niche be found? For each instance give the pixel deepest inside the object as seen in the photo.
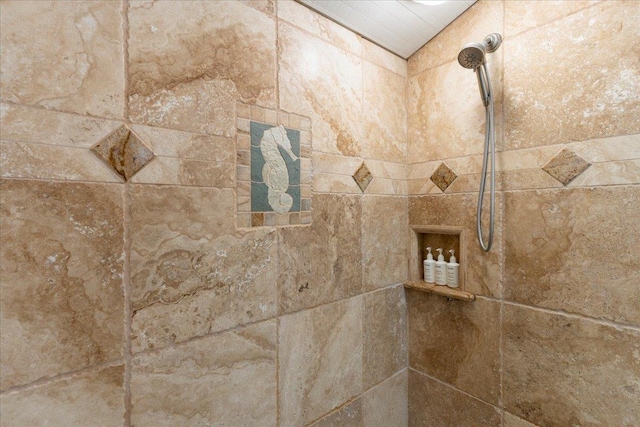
(445, 237)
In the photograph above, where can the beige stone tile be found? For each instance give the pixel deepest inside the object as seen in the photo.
(39, 161)
(334, 164)
(266, 6)
(511, 420)
(384, 241)
(188, 172)
(191, 272)
(327, 91)
(334, 183)
(456, 342)
(432, 403)
(61, 276)
(481, 269)
(385, 335)
(574, 102)
(386, 404)
(442, 123)
(320, 360)
(189, 76)
(306, 19)
(532, 158)
(322, 263)
(382, 186)
(609, 173)
(383, 169)
(575, 250)
(82, 72)
(520, 16)
(227, 379)
(90, 398)
(419, 186)
(561, 370)
(523, 179)
(350, 415)
(480, 20)
(185, 145)
(422, 170)
(383, 58)
(623, 147)
(28, 124)
(384, 114)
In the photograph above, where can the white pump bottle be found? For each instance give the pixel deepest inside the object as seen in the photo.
(453, 271)
(441, 269)
(429, 267)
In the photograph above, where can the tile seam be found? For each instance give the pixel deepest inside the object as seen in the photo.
(602, 322)
(41, 382)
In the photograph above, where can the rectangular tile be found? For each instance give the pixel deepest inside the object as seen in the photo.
(456, 342)
(90, 398)
(320, 360)
(561, 370)
(387, 404)
(226, 379)
(432, 403)
(62, 299)
(575, 250)
(191, 272)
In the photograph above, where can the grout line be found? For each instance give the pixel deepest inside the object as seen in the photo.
(451, 386)
(41, 382)
(602, 322)
(502, 255)
(127, 304)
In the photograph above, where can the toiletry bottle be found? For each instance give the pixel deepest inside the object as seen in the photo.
(441, 269)
(453, 271)
(429, 267)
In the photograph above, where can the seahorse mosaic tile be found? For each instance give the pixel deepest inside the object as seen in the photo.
(273, 163)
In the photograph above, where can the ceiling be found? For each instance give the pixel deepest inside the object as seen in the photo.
(401, 26)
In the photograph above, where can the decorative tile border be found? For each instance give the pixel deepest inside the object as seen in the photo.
(274, 167)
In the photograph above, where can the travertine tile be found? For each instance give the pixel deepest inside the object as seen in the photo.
(443, 176)
(191, 272)
(560, 370)
(482, 269)
(622, 147)
(566, 166)
(456, 342)
(322, 263)
(335, 183)
(81, 72)
(62, 265)
(432, 403)
(334, 164)
(386, 405)
(92, 398)
(384, 241)
(28, 124)
(304, 18)
(40, 161)
(227, 379)
(123, 152)
(188, 172)
(320, 360)
(384, 115)
(511, 420)
(375, 54)
(520, 16)
(327, 91)
(362, 176)
(442, 123)
(575, 250)
(482, 19)
(350, 415)
(385, 335)
(609, 173)
(189, 76)
(574, 102)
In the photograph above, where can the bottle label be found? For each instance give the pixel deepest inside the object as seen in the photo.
(452, 277)
(440, 275)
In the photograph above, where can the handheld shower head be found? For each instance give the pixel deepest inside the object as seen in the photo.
(473, 55)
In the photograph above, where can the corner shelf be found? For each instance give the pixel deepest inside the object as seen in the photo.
(445, 291)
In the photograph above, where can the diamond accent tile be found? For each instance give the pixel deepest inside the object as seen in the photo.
(363, 177)
(443, 176)
(124, 152)
(566, 166)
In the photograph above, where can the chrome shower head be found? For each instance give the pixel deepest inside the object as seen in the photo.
(473, 55)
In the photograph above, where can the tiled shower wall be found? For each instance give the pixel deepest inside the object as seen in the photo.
(142, 302)
(553, 338)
